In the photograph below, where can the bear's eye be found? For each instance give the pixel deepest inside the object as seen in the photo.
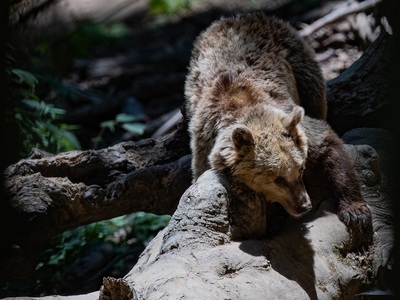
(286, 135)
(280, 181)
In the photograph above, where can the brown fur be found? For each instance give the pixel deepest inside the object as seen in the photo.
(264, 50)
(247, 77)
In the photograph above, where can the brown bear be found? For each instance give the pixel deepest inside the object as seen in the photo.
(250, 81)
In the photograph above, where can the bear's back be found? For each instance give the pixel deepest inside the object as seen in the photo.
(259, 48)
(243, 64)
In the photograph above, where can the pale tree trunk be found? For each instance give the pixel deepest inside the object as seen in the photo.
(196, 256)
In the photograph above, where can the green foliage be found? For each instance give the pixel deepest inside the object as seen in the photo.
(124, 121)
(57, 55)
(145, 225)
(128, 122)
(24, 77)
(168, 7)
(134, 127)
(67, 247)
(37, 120)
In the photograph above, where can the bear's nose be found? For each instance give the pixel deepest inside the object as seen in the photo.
(305, 207)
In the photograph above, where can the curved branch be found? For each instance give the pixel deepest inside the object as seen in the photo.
(337, 14)
(204, 260)
(52, 194)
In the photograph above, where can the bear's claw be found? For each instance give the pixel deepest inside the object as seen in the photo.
(358, 219)
(355, 214)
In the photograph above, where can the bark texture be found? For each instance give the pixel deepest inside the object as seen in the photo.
(359, 97)
(50, 194)
(197, 257)
(200, 259)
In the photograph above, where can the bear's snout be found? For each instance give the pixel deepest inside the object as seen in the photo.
(301, 201)
(305, 207)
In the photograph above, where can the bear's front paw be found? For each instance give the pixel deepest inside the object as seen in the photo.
(355, 214)
(358, 219)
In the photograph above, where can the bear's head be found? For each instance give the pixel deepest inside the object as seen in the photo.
(266, 150)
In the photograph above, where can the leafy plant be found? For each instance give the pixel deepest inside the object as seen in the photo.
(24, 77)
(68, 247)
(146, 225)
(65, 249)
(124, 121)
(57, 55)
(168, 7)
(37, 119)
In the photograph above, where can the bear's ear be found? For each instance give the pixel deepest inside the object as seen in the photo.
(295, 117)
(242, 137)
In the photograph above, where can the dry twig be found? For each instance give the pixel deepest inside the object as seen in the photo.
(338, 14)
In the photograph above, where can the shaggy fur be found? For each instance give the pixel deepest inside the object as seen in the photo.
(251, 78)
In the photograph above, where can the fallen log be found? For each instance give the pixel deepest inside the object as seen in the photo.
(50, 194)
(199, 255)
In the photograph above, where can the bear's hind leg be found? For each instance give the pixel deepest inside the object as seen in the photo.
(309, 81)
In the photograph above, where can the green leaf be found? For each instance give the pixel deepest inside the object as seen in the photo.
(168, 6)
(44, 108)
(108, 124)
(157, 7)
(70, 141)
(25, 77)
(134, 127)
(125, 118)
(96, 140)
(117, 30)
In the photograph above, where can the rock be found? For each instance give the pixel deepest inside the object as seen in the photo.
(382, 140)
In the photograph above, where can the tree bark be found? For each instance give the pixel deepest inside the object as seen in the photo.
(205, 261)
(198, 257)
(359, 96)
(50, 194)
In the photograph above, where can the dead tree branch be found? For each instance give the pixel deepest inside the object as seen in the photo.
(338, 14)
(52, 194)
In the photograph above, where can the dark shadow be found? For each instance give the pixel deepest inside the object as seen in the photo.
(294, 259)
(286, 245)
